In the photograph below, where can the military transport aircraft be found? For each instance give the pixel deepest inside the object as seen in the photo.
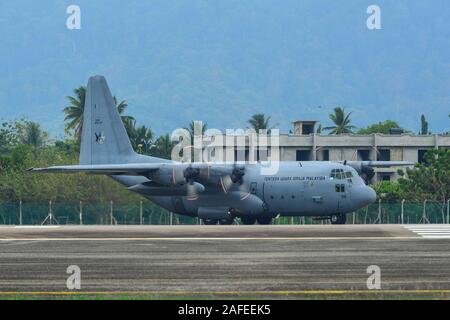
(217, 193)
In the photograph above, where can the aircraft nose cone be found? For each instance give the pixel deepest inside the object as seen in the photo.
(370, 196)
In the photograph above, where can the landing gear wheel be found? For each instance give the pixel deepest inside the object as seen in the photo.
(264, 220)
(210, 222)
(248, 220)
(339, 218)
(226, 221)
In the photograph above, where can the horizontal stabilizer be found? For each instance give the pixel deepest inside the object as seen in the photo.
(108, 169)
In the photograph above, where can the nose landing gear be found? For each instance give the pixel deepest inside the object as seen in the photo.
(339, 218)
(253, 220)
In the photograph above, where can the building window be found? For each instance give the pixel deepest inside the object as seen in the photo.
(325, 155)
(307, 128)
(303, 155)
(384, 155)
(421, 155)
(262, 155)
(363, 155)
(241, 155)
(384, 177)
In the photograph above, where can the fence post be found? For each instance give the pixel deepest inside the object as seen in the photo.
(111, 212)
(140, 213)
(365, 215)
(448, 211)
(171, 217)
(403, 203)
(353, 217)
(378, 219)
(424, 218)
(81, 212)
(20, 212)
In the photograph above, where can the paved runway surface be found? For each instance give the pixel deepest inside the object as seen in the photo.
(226, 260)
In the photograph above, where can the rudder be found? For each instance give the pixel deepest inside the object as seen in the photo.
(104, 139)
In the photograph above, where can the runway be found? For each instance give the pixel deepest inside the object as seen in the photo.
(216, 261)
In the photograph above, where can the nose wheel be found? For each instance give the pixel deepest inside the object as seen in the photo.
(339, 218)
(210, 222)
(248, 220)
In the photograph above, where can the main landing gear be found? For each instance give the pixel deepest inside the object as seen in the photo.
(248, 220)
(339, 218)
(253, 220)
(211, 222)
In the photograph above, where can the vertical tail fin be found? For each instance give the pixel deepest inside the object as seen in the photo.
(104, 138)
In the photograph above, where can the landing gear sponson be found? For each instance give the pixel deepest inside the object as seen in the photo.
(244, 220)
(339, 218)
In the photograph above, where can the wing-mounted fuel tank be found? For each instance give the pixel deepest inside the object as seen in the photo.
(153, 189)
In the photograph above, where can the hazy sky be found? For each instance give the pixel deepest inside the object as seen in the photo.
(221, 61)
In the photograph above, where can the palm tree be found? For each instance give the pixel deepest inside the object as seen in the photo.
(163, 147)
(341, 122)
(74, 112)
(259, 122)
(143, 139)
(33, 135)
(192, 128)
(140, 137)
(121, 108)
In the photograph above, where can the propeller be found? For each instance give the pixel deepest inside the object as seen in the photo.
(236, 177)
(193, 187)
(366, 168)
(367, 173)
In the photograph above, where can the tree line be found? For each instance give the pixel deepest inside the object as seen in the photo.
(25, 144)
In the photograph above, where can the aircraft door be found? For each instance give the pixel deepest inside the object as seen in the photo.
(342, 190)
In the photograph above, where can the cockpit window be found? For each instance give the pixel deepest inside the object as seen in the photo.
(348, 174)
(337, 174)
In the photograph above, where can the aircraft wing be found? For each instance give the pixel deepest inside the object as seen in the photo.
(379, 164)
(108, 169)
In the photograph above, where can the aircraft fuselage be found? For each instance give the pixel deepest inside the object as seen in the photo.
(312, 188)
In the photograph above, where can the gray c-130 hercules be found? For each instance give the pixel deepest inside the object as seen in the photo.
(216, 193)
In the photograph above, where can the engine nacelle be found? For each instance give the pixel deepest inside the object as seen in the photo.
(248, 203)
(169, 175)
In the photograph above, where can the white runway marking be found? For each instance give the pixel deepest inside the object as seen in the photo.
(213, 239)
(431, 231)
(36, 227)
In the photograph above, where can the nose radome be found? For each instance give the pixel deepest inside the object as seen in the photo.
(370, 195)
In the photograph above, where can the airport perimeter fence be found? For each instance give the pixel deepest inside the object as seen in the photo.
(75, 213)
